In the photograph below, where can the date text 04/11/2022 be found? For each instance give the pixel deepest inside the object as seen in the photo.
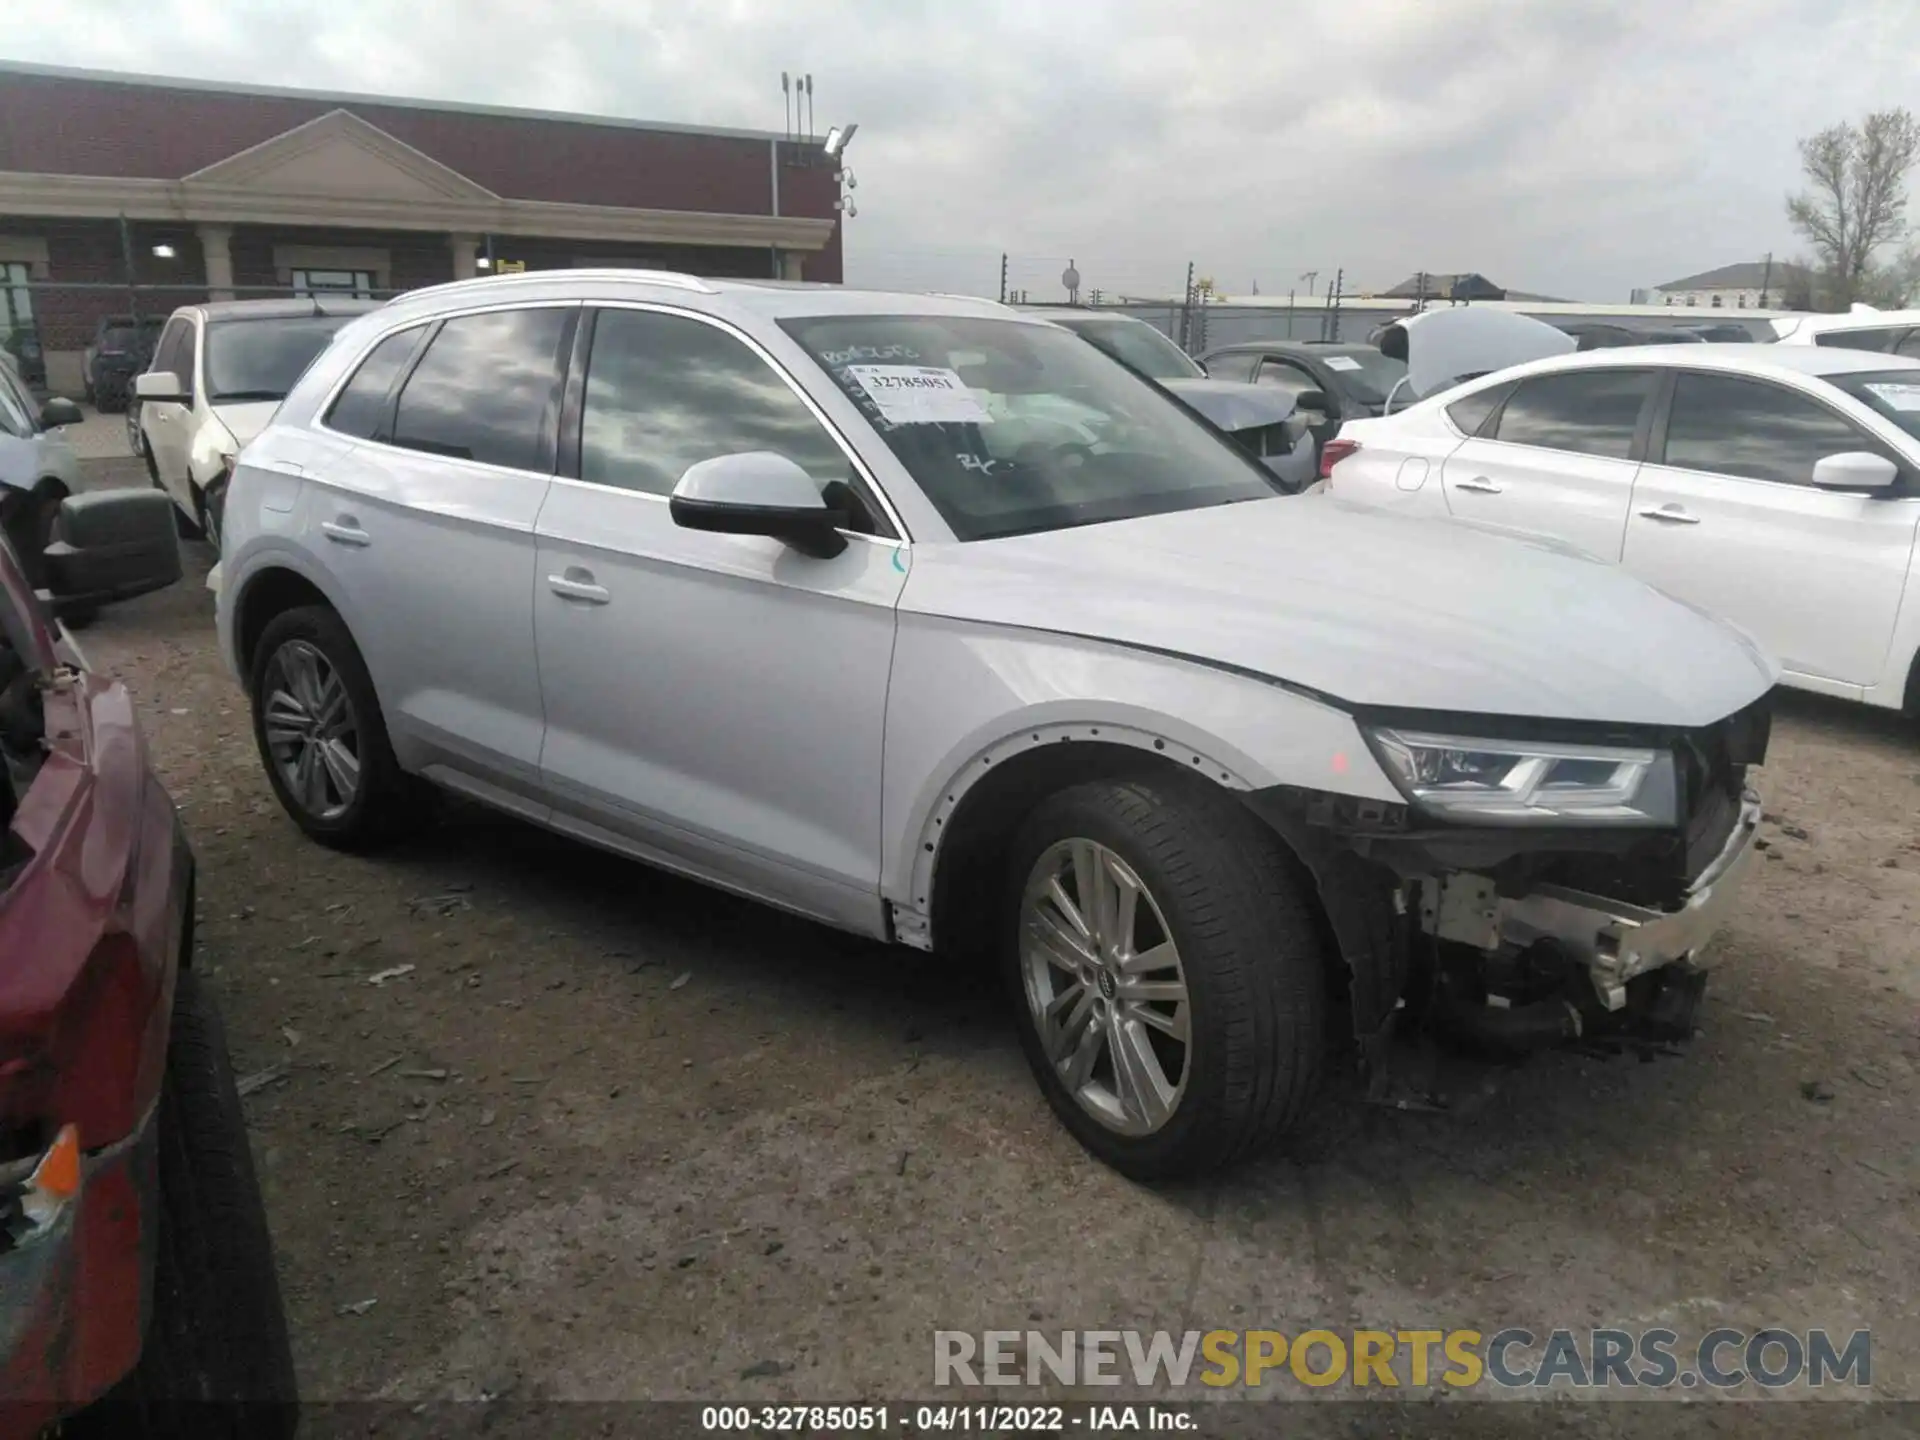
(945, 1418)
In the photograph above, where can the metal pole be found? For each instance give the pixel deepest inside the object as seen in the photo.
(1003, 277)
(1339, 290)
(1766, 280)
(773, 183)
(490, 261)
(126, 259)
(1290, 295)
(1186, 313)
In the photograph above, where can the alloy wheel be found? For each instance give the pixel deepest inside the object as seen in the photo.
(1105, 988)
(312, 732)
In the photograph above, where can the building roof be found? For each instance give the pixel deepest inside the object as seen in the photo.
(68, 122)
(1746, 275)
(1434, 285)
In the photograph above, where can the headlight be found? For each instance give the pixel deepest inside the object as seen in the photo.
(1516, 782)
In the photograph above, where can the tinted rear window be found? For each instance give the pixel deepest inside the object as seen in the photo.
(486, 389)
(361, 406)
(1586, 412)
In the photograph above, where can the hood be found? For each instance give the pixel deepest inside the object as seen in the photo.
(1445, 346)
(1366, 606)
(247, 418)
(1233, 404)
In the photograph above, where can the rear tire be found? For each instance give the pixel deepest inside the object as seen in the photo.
(217, 1360)
(314, 705)
(1246, 961)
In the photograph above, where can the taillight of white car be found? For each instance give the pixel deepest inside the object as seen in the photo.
(1333, 452)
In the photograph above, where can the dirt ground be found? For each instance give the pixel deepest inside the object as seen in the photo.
(541, 1123)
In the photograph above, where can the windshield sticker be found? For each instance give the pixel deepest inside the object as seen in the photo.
(1904, 398)
(920, 395)
(1339, 362)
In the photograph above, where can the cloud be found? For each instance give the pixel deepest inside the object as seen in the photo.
(1582, 147)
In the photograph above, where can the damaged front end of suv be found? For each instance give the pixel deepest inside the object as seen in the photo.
(1542, 884)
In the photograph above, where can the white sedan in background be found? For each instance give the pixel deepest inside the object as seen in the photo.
(1777, 487)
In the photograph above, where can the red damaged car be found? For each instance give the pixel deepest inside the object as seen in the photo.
(135, 1264)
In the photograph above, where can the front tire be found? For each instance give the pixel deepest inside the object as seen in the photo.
(1168, 973)
(322, 737)
(217, 1361)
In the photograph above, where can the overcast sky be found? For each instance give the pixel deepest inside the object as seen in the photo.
(1575, 147)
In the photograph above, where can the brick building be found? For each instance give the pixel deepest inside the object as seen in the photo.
(218, 191)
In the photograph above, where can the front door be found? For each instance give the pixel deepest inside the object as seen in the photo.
(1729, 518)
(168, 424)
(714, 703)
(1558, 460)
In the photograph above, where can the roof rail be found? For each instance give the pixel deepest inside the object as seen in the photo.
(671, 278)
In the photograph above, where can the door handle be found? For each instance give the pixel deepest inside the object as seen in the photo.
(345, 533)
(578, 584)
(1671, 514)
(1480, 485)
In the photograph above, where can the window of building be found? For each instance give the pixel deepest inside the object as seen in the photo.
(1589, 412)
(664, 392)
(1743, 302)
(361, 406)
(487, 389)
(1693, 299)
(1730, 426)
(334, 282)
(1715, 302)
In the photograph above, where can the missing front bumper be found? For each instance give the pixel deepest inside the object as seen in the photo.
(1613, 941)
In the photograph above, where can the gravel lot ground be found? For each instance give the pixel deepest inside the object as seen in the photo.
(603, 1134)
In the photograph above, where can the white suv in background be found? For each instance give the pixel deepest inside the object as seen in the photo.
(219, 371)
(924, 619)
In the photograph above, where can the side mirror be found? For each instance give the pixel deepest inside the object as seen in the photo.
(158, 385)
(1313, 400)
(59, 411)
(111, 545)
(758, 492)
(1854, 470)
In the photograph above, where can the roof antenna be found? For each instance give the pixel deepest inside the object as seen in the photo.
(809, 105)
(786, 99)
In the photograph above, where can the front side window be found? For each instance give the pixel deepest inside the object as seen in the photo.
(1910, 345)
(260, 359)
(1234, 365)
(1365, 375)
(361, 406)
(665, 392)
(1137, 344)
(1011, 427)
(16, 411)
(1725, 425)
(487, 389)
(1587, 412)
(1278, 375)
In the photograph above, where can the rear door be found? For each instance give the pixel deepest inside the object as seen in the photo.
(427, 521)
(1559, 458)
(1725, 514)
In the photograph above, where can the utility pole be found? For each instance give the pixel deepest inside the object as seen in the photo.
(1339, 291)
(1766, 280)
(1003, 277)
(1186, 314)
(1291, 292)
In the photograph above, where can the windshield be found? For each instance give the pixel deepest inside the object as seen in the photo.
(1138, 344)
(1012, 427)
(1365, 375)
(1894, 393)
(260, 359)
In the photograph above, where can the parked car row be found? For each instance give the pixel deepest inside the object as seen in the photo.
(921, 617)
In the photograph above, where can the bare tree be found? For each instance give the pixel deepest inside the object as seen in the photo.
(1857, 200)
